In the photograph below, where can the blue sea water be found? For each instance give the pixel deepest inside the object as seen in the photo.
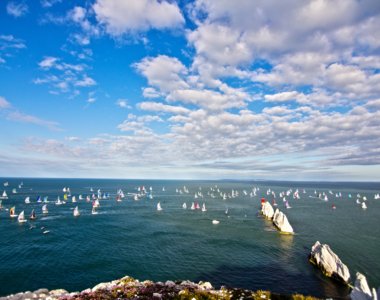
(133, 238)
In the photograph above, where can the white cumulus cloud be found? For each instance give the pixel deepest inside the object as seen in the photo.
(120, 16)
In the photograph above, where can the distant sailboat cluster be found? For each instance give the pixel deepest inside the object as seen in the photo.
(90, 202)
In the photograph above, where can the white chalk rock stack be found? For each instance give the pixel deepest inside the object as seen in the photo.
(361, 290)
(267, 210)
(330, 264)
(282, 223)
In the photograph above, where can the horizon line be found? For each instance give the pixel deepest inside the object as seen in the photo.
(193, 179)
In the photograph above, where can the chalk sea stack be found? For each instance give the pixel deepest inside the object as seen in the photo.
(324, 258)
(281, 222)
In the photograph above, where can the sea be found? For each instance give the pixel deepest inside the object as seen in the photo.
(131, 237)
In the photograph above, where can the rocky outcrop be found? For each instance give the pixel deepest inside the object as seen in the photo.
(323, 257)
(44, 294)
(267, 210)
(129, 288)
(281, 222)
(361, 290)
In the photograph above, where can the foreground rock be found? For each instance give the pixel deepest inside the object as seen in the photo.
(323, 257)
(38, 294)
(281, 222)
(129, 288)
(361, 290)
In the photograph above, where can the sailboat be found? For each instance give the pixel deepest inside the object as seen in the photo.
(287, 205)
(27, 200)
(96, 203)
(184, 205)
(14, 191)
(58, 202)
(33, 215)
(76, 212)
(93, 211)
(12, 212)
(192, 206)
(204, 207)
(44, 209)
(21, 217)
(73, 199)
(159, 206)
(364, 206)
(4, 196)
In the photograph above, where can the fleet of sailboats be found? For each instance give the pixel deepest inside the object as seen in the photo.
(143, 193)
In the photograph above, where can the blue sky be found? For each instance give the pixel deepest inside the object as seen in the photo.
(190, 89)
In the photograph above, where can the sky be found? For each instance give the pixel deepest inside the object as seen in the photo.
(203, 89)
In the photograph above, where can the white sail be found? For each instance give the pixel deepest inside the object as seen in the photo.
(76, 212)
(192, 206)
(21, 217)
(44, 209)
(27, 200)
(364, 206)
(159, 206)
(184, 205)
(204, 207)
(58, 202)
(4, 195)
